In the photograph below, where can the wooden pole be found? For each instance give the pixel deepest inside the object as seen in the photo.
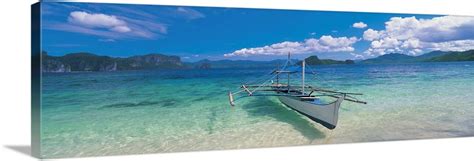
(288, 57)
(288, 85)
(302, 79)
(247, 90)
(278, 74)
(288, 63)
(278, 78)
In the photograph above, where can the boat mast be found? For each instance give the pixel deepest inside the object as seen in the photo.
(278, 74)
(303, 72)
(288, 63)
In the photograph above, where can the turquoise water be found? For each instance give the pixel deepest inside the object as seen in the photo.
(113, 113)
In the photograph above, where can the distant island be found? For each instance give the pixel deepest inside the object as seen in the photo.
(84, 61)
(91, 62)
(434, 56)
(221, 64)
(454, 56)
(314, 60)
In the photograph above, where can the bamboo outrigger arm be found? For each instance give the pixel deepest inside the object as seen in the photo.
(231, 99)
(247, 90)
(349, 99)
(331, 91)
(322, 92)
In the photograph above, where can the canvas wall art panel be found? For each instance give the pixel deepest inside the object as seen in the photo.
(115, 79)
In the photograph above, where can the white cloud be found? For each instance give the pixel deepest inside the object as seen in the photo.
(121, 29)
(458, 45)
(411, 44)
(413, 36)
(371, 35)
(359, 25)
(109, 26)
(98, 20)
(438, 29)
(338, 43)
(311, 45)
(386, 42)
(357, 56)
(189, 13)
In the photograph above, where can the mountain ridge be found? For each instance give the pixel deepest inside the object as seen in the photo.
(85, 61)
(433, 56)
(206, 63)
(314, 60)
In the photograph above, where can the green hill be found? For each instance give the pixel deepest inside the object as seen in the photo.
(454, 56)
(222, 64)
(434, 56)
(393, 58)
(91, 62)
(314, 60)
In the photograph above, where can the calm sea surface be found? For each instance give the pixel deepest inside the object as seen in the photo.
(129, 112)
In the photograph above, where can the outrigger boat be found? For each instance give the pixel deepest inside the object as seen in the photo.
(304, 99)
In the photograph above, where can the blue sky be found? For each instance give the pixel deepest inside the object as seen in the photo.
(196, 33)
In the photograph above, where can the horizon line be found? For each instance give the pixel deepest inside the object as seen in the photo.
(196, 60)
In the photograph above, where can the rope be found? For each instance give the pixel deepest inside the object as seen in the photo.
(259, 78)
(270, 78)
(262, 78)
(266, 80)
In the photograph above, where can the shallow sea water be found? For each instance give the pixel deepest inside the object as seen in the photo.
(131, 112)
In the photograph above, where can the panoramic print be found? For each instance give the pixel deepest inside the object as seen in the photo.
(131, 79)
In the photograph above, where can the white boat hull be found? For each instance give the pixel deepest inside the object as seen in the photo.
(326, 115)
